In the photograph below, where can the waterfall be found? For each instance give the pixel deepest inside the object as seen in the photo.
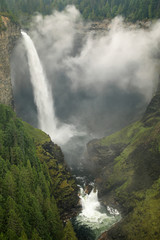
(43, 99)
(42, 94)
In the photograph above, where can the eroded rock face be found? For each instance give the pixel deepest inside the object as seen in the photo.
(101, 158)
(8, 38)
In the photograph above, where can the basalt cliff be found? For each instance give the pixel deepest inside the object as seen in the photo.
(9, 34)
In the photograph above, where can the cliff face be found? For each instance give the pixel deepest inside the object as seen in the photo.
(8, 37)
(127, 171)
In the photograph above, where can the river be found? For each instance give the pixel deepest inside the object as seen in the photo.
(94, 218)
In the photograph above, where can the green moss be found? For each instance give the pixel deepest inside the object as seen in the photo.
(63, 185)
(123, 136)
(143, 221)
(130, 173)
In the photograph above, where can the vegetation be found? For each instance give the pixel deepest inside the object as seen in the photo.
(130, 172)
(132, 10)
(69, 232)
(28, 197)
(9, 15)
(2, 25)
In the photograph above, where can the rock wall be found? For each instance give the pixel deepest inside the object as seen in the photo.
(8, 38)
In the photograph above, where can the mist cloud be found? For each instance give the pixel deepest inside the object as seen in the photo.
(122, 56)
(101, 81)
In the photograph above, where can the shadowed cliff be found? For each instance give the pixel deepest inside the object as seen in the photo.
(9, 34)
(126, 166)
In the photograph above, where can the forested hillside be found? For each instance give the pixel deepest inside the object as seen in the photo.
(33, 181)
(132, 10)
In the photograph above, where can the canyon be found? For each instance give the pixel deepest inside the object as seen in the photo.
(124, 165)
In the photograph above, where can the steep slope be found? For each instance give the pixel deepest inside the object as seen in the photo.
(9, 33)
(35, 184)
(127, 171)
(63, 185)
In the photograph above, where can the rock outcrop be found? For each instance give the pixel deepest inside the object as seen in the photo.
(63, 187)
(8, 37)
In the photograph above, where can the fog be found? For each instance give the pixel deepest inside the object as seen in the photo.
(101, 81)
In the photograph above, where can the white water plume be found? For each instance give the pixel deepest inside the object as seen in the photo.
(43, 97)
(96, 77)
(90, 207)
(92, 214)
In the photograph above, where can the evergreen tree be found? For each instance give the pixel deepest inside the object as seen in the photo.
(23, 236)
(28, 209)
(69, 233)
(35, 235)
(90, 9)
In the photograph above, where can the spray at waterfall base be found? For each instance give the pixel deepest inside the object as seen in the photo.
(91, 79)
(43, 99)
(94, 218)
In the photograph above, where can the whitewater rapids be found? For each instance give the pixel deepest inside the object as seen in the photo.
(93, 215)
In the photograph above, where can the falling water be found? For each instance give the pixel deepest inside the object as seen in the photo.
(94, 216)
(43, 97)
(42, 94)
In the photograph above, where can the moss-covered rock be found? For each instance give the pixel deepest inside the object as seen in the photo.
(127, 172)
(64, 186)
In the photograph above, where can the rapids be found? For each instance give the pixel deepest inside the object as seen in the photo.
(94, 217)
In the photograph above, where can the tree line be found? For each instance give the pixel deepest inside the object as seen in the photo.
(132, 10)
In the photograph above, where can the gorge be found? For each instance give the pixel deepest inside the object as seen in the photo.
(91, 215)
(88, 82)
